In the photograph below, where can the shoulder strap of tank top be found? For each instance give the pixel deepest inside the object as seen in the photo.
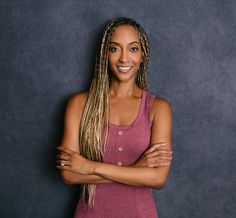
(149, 100)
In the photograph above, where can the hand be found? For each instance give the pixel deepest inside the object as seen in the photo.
(156, 156)
(73, 161)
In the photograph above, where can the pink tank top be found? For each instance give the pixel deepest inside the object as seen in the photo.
(125, 145)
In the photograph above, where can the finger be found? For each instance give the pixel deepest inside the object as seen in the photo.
(158, 145)
(66, 150)
(160, 160)
(157, 163)
(155, 146)
(64, 167)
(63, 163)
(168, 151)
(164, 164)
(159, 152)
(151, 163)
(63, 156)
(162, 154)
(64, 153)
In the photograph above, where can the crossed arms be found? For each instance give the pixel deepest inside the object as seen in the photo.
(152, 168)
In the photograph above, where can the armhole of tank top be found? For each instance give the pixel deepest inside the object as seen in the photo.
(150, 103)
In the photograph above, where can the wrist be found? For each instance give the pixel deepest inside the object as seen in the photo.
(94, 167)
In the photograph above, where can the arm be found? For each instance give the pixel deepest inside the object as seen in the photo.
(70, 140)
(131, 175)
(144, 176)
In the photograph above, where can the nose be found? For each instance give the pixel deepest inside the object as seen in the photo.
(123, 56)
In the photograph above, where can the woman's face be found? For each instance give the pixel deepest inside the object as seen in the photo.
(125, 53)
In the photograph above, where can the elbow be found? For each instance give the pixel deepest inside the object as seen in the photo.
(160, 178)
(66, 178)
(67, 182)
(159, 183)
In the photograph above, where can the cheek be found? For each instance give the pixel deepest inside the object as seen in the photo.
(136, 57)
(111, 62)
(111, 59)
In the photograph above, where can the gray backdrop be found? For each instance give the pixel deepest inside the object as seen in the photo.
(48, 53)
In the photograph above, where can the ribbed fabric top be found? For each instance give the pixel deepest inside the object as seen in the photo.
(126, 143)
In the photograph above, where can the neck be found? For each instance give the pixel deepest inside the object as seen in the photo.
(124, 91)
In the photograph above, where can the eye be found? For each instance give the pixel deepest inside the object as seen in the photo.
(113, 49)
(133, 49)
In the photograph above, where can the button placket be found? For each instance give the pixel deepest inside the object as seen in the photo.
(120, 148)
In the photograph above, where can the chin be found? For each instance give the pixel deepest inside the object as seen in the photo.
(123, 76)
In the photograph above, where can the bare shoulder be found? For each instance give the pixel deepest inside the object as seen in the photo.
(77, 101)
(161, 106)
(160, 103)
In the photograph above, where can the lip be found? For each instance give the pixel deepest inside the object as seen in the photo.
(124, 69)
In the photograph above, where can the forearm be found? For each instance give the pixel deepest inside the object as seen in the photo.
(135, 176)
(72, 178)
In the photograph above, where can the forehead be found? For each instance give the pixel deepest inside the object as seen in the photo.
(125, 33)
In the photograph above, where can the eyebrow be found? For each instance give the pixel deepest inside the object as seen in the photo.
(119, 43)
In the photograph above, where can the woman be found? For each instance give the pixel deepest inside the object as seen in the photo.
(117, 137)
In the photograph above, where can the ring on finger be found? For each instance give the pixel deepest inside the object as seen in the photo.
(62, 163)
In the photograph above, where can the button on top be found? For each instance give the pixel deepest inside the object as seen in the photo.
(120, 149)
(119, 163)
(120, 132)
